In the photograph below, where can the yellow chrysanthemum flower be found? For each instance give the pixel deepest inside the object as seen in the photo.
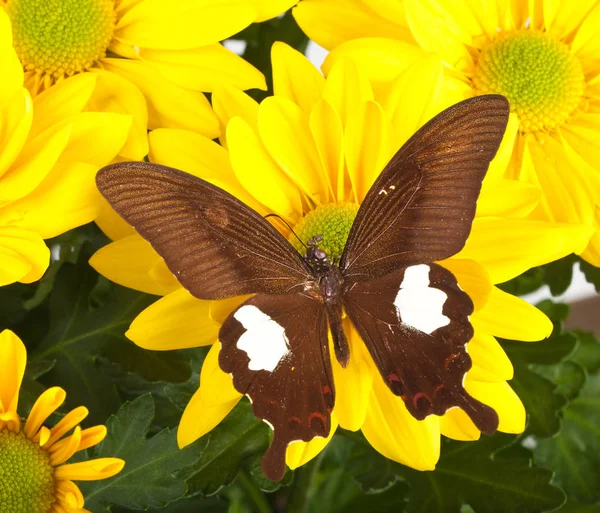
(50, 151)
(153, 58)
(543, 55)
(33, 475)
(309, 154)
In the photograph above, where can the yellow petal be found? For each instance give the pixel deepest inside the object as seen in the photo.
(61, 101)
(128, 262)
(437, 30)
(353, 385)
(203, 69)
(585, 45)
(13, 357)
(286, 134)
(396, 434)
(295, 77)
(298, 453)
(257, 172)
(379, 58)
(96, 137)
(46, 405)
(566, 196)
(501, 161)
(592, 252)
(347, 87)
(42, 436)
(63, 450)
(412, 98)
(68, 493)
(66, 199)
(183, 24)
(490, 362)
(331, 22)
(561, 18)
(501, 398)
(228, 103)
(199, 156)
(267, 9)
(580, 146)
(327, 132)
(11, 421)
(25, 256)
(507, 316)
(211, 403)
(92, 470)
(68, 422)
(176, 321)
(390, 10)
(111, 223)
(456, 424)
(92, 436)
(34, 163)
(169, 105)
(15, 123)
(113, 93)
(509, 247)
(508, 198)
(368, 146)
(12, 70)
(472, 278)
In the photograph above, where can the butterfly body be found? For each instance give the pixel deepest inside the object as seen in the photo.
(409, 311)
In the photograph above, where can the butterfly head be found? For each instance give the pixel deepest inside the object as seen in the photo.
(316, 256)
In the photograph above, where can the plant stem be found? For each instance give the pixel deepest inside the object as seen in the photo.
(257, 496)
(303, 487)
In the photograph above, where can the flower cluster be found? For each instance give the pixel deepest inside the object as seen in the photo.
(87, 83)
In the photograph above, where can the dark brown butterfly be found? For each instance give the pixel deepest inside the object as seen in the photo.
(409, 311)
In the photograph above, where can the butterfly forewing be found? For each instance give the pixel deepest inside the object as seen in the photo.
(414, 321)
(216, 246)
(420, 209)
(276, 348)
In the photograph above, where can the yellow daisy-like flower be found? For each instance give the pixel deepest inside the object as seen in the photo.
(50, 151)
(310, 154)
(152, 58)
(543, 55)
(34, 477)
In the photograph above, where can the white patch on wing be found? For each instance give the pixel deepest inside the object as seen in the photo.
(418, 304)
(264, 341)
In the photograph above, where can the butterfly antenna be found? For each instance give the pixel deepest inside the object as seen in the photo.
(287, 224)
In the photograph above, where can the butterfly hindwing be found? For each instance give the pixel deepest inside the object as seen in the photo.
(421, 207)
(276, 348)
(216, 246)
(415, 324)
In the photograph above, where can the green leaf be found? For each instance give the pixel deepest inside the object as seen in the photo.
(468, 473)
(591, 273)
(540, 395)
(576, 507)
(528, 282)
(150, 478)
(492, 475)
(574, 454)
(82, 334)
(260, 38)
(559, 274)
(226, 448)
(588, 351)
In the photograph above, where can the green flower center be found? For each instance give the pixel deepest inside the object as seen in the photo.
(61, 37)
(26, 476)
(542, 80)
(333, 221)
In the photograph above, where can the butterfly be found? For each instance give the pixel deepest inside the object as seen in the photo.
(409, 311)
